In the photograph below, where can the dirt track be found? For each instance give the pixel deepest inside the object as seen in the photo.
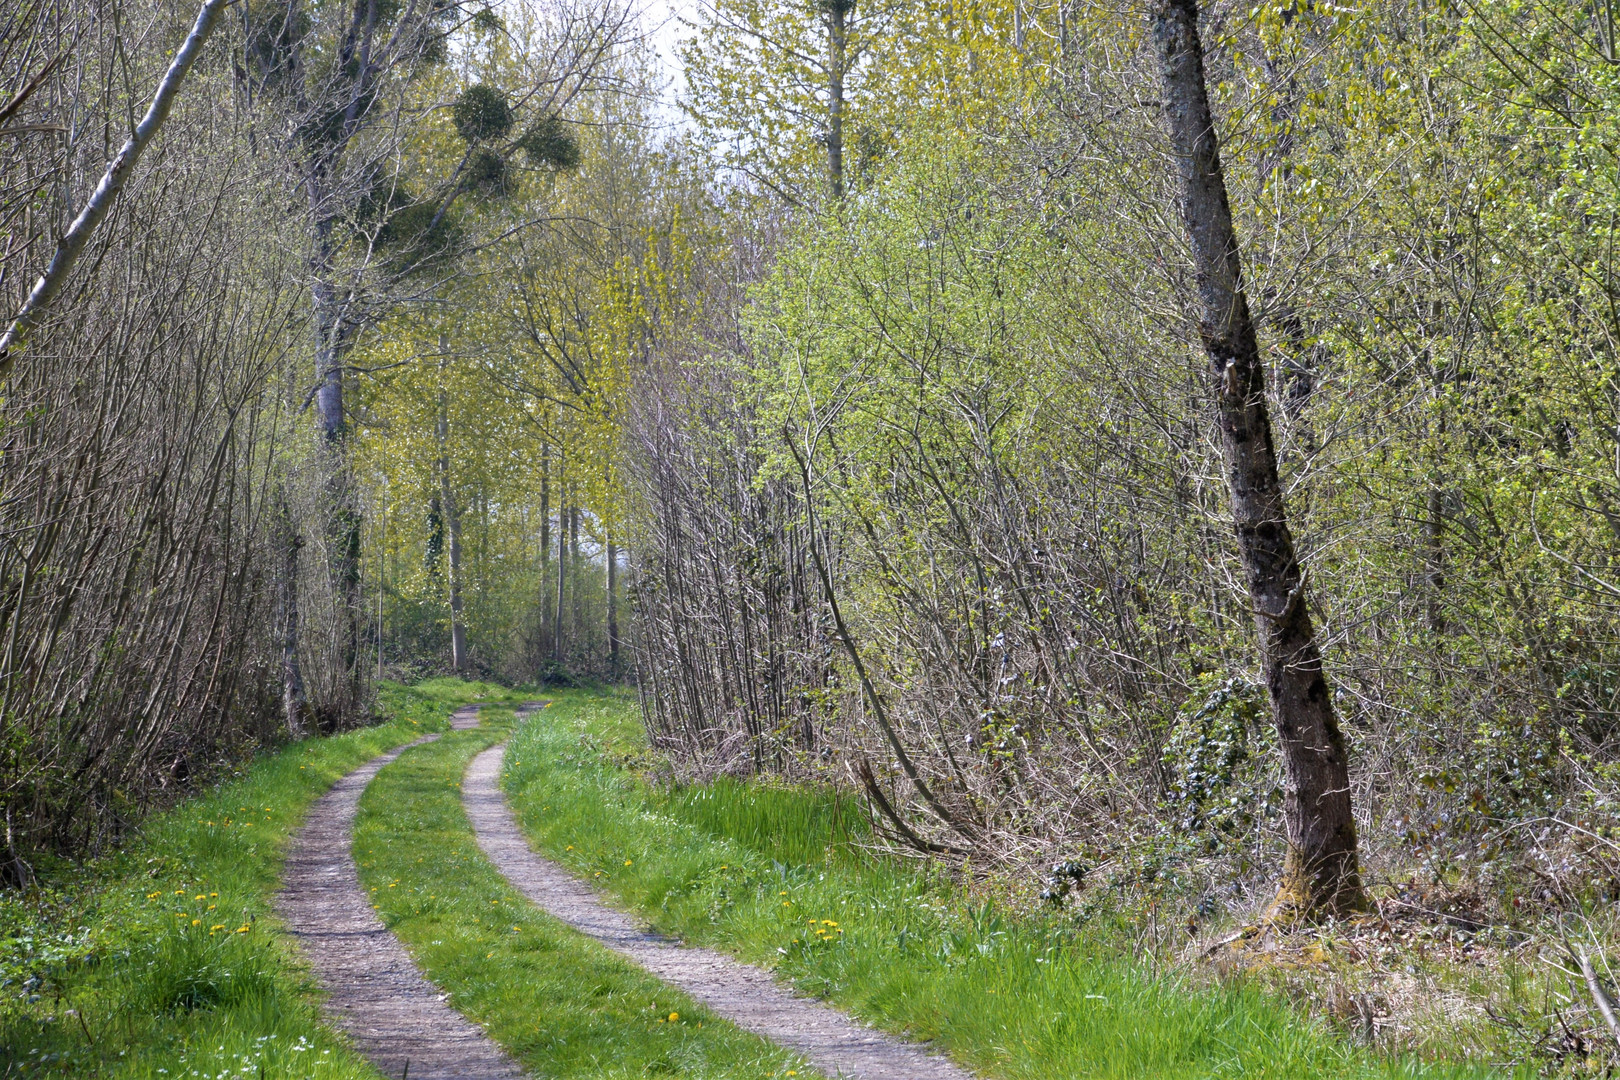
(374, 992)
(745, 995)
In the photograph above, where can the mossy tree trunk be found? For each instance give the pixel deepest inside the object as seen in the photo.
(1321, 873)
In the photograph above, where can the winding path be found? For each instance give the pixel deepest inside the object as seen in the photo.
(374, 992)
(747, 996)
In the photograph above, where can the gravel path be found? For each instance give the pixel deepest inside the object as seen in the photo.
(374, 992)
(465, 718)
(745, 995)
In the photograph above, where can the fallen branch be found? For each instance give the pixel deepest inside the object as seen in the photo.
(869, 782)
(1246, 932)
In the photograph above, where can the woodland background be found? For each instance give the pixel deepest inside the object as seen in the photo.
(423, 339)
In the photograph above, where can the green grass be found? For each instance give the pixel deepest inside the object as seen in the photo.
(563, 1004)
(133, 966)
(766, 872)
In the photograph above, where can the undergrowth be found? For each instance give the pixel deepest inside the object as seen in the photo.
(777, 876)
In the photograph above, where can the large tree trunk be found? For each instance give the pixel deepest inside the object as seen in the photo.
(837, 63)
(341, 501)
(452, 520)
(1321, 874)
(545, 542)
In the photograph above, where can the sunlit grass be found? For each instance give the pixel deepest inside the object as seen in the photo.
(767, 873)
(162, 961)
(564, 1005)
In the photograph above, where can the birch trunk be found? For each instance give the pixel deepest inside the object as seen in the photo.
(1321, 872)
(452, 521)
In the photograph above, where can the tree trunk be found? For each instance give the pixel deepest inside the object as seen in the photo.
(294, 701)
(545, 539)
(342, 503)
(562, 576)
(837, 61)
(382, 554)
(577, 599)
(452, 518)
(613, 607)
(1321, 873)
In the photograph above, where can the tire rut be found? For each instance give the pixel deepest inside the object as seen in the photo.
(375, 992)
(748, 996)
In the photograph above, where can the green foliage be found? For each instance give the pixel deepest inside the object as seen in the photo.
(481, 114)
(549, 143)
(1218, 780)
(420, 235)
(486, 173)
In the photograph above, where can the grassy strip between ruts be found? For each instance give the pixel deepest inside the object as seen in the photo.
(160, 961)
(562, 1004)
(764, 873)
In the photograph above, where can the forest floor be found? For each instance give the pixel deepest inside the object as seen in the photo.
(131, 968)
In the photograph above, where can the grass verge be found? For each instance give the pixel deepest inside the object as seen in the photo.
(161, 961)
(768, 874)
(562, 1004)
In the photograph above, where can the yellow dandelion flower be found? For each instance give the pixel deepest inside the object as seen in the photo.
(627, 862)
(196, 922)
(674, 1017)
(242, 929)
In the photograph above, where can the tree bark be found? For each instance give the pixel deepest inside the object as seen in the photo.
(294, 700)
(613, 607)
(1321, 873)
(452, 519)
(562, 575)
(837, 62)
(545, 540)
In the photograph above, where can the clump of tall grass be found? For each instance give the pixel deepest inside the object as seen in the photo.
(793, 825)
(187, 967)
